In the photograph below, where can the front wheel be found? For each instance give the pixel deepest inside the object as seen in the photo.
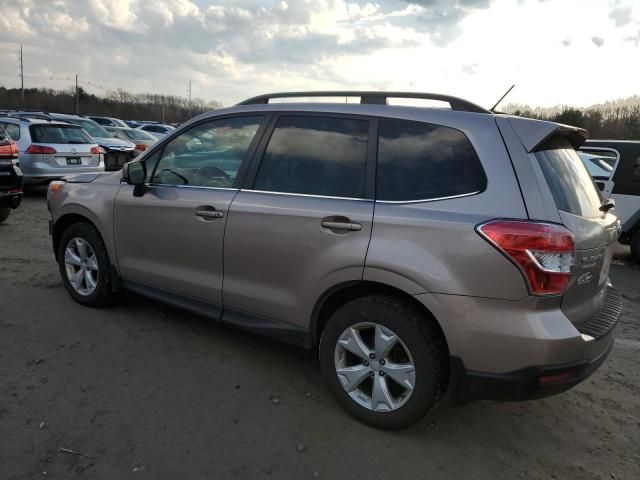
(84, 265)
(384, 360)
(4, 213)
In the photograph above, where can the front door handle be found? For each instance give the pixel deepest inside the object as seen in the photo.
(208, 213)
(348, 225)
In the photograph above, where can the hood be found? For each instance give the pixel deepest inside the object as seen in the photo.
(114, 143)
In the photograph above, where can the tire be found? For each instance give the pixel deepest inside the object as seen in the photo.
(101, 294)
(4, 213)
(418, 335)
(635, 247)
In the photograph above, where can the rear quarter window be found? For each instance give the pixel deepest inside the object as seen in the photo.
(423, 161)
(571, 185)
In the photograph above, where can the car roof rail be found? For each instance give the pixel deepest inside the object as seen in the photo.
(372, 97)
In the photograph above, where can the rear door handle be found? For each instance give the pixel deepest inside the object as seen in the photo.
(208, 213)
(341, 225)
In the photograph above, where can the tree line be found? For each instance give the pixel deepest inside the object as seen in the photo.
(617, 119)
(118, 103)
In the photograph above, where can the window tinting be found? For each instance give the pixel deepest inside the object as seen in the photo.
(207, 155)
(315, 156)
(12, 129)
(59, 134)
(569, 180)
(636, 170)
(421, 161)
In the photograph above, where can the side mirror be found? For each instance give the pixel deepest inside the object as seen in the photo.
(136, 174)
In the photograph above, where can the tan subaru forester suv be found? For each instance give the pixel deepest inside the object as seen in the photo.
(428, 254)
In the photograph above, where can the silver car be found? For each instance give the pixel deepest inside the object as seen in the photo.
(50, 150)
(428, 254)
(116, 151)
(158, 130)
(141, 139)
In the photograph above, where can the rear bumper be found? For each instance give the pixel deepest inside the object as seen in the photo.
(525, 384)
(521, 349)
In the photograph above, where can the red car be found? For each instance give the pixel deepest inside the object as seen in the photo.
(10, 176)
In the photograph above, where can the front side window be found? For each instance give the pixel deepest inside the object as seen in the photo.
(422, 161)
(59, 134)
(600, 163)
(207, 155)
(315, 156)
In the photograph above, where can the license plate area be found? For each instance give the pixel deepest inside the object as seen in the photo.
(74, 161)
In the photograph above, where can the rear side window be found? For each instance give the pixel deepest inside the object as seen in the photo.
(58, 134)
(422, 161)
(12, 129)
(569, 180)
(315, 156)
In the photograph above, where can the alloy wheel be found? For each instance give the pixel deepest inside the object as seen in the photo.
(375, 367)
(81, 265)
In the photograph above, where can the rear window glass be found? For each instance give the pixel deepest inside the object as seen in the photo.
(12, 129)
(134, 134)
(569, 180)
(422, 161)
(59, 134)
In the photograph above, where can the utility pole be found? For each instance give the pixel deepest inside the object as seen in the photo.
(189, 90)
(77, 97)
(21, 76)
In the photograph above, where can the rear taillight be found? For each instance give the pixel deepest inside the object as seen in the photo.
(544, 252)
(141, 147)
(96, 150)
(43, 149)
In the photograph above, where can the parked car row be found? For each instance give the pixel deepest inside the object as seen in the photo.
(52, 145)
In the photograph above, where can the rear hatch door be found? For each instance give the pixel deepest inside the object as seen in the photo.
(73, 146)
(595, 230)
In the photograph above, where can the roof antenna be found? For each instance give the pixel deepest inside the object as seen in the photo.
(493, 109)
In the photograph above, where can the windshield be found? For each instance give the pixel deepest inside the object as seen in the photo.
(59, 134)
(135, 134)
(92, 128)
(571, 185)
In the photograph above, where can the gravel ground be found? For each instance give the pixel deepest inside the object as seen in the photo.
(143, 390)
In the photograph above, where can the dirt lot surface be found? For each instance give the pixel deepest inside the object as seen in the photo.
(147, 391)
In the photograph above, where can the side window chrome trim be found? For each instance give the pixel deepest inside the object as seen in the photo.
(357, 199)
(198, 187)
(424, 200)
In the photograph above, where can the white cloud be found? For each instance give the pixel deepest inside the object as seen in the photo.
(236, 49)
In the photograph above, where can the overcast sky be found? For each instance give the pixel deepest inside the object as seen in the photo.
(575, 52)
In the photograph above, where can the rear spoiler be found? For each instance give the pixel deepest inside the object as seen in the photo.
(533, 133)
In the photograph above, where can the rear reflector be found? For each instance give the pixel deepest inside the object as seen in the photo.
(544, 252)
(42, 149)
(558, 377)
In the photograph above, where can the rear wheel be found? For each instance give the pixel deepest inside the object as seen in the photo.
(4, 213)
(84, 265)
(635, 247)
(384, 361)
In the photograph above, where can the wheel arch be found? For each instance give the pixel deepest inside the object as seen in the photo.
(342, 293)
(64, 222)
